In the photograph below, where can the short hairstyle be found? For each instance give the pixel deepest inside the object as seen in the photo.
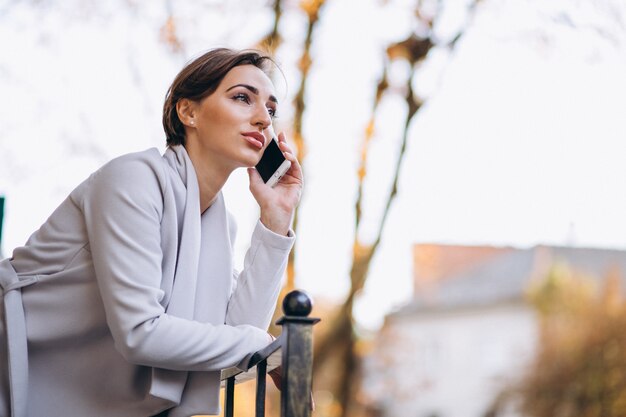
(200, 78)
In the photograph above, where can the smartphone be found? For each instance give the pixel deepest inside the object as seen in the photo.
(273, 164)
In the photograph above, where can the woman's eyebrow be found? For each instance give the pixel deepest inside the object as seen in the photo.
(254, 90)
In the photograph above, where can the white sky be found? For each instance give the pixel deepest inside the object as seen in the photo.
(520, 143)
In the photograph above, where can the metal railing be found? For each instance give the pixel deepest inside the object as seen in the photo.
(293, 351)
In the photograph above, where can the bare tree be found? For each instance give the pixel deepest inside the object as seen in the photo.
(271, 42)
(337, 345)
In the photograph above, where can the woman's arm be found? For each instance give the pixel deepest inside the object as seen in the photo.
(123, 207)
(257, 287)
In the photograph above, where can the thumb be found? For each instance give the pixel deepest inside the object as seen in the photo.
(255, 177)
(257, 185)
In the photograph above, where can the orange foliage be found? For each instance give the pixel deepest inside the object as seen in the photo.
(369, 133)
(312, 8)
(169, 36)
(305, 62)
(412, 49)
(361, 251)
(298, 140)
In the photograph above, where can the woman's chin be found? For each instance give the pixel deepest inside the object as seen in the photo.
(249, 162)
(252, 160)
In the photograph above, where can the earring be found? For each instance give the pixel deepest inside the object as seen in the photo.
(192, 122)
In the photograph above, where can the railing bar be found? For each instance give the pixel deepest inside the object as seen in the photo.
(230, 397)
(261, 375)
(266, 352)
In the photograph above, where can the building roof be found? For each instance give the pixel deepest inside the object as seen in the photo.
(505, 276)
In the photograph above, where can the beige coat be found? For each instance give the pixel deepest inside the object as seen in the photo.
(130, 301)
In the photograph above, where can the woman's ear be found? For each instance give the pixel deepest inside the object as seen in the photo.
(186, 112)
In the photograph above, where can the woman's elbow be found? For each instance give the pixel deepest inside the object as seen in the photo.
(138, 347)
(135, 354)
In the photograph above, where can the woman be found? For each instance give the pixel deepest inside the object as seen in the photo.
(130, 301)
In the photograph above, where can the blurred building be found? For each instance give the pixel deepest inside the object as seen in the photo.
(469, 332)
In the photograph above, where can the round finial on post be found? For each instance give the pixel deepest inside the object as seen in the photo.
(297, 303)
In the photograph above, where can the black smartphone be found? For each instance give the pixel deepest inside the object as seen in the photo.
(273, 164)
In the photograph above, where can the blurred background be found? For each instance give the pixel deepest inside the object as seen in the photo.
(463, 226)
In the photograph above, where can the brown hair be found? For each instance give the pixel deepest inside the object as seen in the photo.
(200, 78)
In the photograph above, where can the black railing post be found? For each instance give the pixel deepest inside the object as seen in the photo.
(297, 355)
(229, 410)
(261, 375)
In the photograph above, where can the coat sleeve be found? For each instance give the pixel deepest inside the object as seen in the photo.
(257, 287)
(123, 207)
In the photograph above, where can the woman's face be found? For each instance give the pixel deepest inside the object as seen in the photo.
(231, 124)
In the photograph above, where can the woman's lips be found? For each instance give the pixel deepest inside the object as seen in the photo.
(256, 139)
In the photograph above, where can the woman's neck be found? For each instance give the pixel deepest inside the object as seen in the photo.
(210, 174)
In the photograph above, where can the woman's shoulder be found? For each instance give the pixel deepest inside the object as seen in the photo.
(132, 174)
(142, 160)
(134, 167)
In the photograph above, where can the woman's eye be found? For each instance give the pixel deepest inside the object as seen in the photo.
(242, 97)
(272, 112)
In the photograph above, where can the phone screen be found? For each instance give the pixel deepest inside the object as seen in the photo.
(270, 161)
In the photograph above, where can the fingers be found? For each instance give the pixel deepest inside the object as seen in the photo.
(296, 169)
(276, 375)
(278, 371)
(282, 143)
(255, 178)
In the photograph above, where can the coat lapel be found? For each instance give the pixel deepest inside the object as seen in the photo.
(185, 279)
(201, 284)
(169, 384)
(213, 292)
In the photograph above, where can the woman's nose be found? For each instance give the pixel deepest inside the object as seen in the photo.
(262, 119)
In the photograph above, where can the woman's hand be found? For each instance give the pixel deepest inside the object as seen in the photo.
(277, 378)
(278, 204)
